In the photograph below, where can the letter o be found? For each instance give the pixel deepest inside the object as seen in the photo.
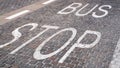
(38, 56)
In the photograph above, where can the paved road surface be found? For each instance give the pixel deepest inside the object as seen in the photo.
(61, 34)
(7, 6)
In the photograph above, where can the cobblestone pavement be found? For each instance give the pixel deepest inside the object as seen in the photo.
(99, 56)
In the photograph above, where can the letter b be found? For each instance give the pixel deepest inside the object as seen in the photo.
(71, 8)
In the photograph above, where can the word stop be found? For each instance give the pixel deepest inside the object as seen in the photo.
(37, 54)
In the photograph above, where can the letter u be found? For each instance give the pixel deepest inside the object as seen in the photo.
(78, 12)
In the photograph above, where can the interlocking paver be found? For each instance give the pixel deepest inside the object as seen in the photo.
(99, 56)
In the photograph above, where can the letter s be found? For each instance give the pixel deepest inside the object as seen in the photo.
(103, 10)
(17, 34)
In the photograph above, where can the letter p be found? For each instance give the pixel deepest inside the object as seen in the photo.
(80, 45)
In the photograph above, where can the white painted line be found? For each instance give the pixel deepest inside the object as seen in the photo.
(18, 14)
(49, 1)
(115, 63)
